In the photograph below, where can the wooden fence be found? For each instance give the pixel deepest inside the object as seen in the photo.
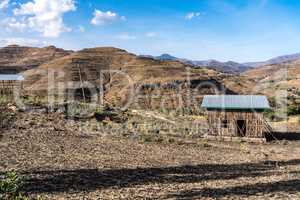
(9, 87)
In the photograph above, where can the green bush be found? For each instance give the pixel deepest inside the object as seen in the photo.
(275, 117)
(10, 187)
(4, 100)
(147, 138)
(78, 110)
(293, 110)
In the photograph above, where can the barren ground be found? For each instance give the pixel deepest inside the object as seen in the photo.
(61, 162)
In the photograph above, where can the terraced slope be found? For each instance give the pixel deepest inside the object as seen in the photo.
(127, 77)
(14, 59)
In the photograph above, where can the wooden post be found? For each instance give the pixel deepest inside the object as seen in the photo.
(81, 82)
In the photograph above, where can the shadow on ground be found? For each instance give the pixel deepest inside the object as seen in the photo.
(290, 186)
(92, 179)
(292, 136)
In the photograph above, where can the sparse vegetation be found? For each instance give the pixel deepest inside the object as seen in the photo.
(7, 116)
(34, 100)
(138, 153)
(244, 148)
(273, 116)
(293, 109)
(78, 110)
(10, 187)
(150, 138)
(4, 99)
(171, 140)
(204, 143)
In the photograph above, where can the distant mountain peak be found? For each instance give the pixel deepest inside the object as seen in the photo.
(166, 57)
(227, 67)
(276, 60)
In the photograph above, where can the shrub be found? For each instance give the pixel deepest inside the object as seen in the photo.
(78, 110)
(293, 110)
(150, 138)
(34, 100)
(147, 138)
(4, 100)
(204, 143)
(171, 140)
(6, 117)
(10, 187)
(275, 117)
(270, 114)
(159, 140)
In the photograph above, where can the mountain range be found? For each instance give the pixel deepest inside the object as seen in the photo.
(229, 66)
(124, 73)
(276, 60)
(165, 75)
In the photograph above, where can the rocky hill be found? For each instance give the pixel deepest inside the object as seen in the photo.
(145, 82)
(15, 59)
(271, 79)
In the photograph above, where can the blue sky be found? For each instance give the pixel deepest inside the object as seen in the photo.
(239, 30)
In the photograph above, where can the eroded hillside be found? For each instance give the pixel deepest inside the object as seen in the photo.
(271, 79)
(121, 76)
(126, 78)
(14, 59)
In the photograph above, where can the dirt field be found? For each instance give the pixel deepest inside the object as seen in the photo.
(61, 162)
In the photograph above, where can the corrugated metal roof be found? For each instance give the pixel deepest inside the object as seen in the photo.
(11, 77)
(235, 102)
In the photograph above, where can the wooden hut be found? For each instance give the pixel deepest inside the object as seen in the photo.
(236, 116)
(10, 83)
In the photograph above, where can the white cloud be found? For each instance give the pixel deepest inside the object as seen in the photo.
(4, 4)
(102, 18)
(44, 16)
(22, 42)
(126, 36)
(151, 34)
(192, 15)
(13, 23)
